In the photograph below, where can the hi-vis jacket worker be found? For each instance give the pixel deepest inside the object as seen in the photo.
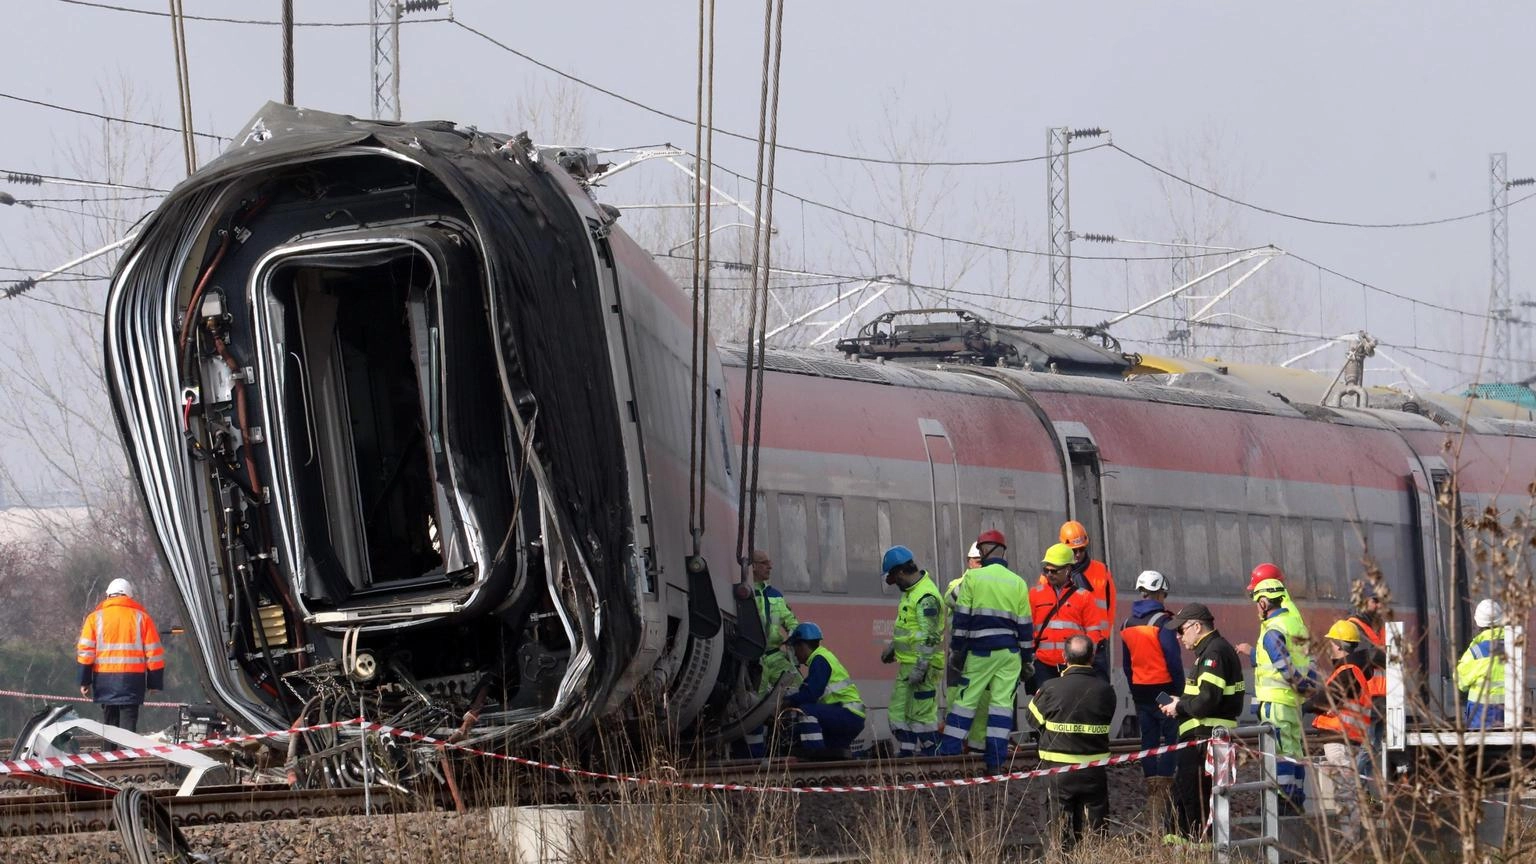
(1282, 680)
(1094, 575)
(977, 739)
(1060, 607)
(120, 656)
(915, 640)
(1480, 673)
(988, 651)
(778, 622)
(1153, 667)
(831, 709)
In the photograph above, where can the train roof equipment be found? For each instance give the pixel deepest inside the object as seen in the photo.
(914, 335)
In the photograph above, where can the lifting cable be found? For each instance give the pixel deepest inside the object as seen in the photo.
(183, 83)
(703, 211)
(762, 246)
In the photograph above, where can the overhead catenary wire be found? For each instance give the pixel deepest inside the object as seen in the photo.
(1313, 220)
(808, 151)
(107, 117)
(216, 19)
(32, 178)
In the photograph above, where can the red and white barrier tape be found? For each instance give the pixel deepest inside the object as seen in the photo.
(86, 759)
(46, 698)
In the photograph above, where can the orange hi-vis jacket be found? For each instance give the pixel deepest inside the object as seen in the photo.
(119, 652)
(1352, 714)
(1375, 683)
(1078, 614)
(1098, 577)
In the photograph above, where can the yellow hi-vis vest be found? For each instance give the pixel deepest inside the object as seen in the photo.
(1268, 684)
(840, 688)
(917, 635)
(1480, 673)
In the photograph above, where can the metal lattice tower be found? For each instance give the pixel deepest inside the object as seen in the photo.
(1059, 221)
(384, 39)
(1500, 304)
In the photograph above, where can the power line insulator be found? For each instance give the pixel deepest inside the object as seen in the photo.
(1091, 132)
(25, 179)
(1097, 238)
(422, 5)
(21, 287)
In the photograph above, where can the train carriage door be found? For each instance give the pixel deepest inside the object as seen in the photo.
(1086, 485)
(944, 490)
(1453, 614)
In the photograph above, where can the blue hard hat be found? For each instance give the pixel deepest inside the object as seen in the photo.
(895, 557)
(805, 632)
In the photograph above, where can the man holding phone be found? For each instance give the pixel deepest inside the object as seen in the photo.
(1214, 697)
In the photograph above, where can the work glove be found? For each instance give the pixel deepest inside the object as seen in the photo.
(1027, 673)
(889, 654)
(918, 675)
(955, 670)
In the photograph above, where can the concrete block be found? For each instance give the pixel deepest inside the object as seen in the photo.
(565, 834)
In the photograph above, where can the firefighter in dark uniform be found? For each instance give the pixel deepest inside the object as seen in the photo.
(1214, 697)
(1073, 713)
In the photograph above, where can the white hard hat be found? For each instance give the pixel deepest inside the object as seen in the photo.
(974, 551)
(119, 586)
(1488, 613)
(1151, 580)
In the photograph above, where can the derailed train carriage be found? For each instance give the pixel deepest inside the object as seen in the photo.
(411, 414)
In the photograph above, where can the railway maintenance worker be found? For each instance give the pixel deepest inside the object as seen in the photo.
(1073, 713)
(1150, 656)
(1282, 679)
(990, 648)
(915, 642)
(976, 741)
(1344, 706)
(778, 621)
(1264, 572)
(1061, 607)
(831, 712)
(1480, 672)
(1214, 697)
(120, 656)
(1095, 576)
(1370, 618)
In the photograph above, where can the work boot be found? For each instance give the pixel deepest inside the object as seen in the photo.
(1159, 804)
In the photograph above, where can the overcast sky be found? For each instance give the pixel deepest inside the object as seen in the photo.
(1364, 111)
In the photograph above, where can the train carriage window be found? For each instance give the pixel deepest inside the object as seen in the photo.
(1327, 563)
(792, 566)
(1163, 541)
(1352, 565)
(860, 517)
(1262, 545)
(1125, 548)
(883, 530)
(832, 545)
(1293, 546)
(1383, 552)
(765, 537)
(1230, 560)
(1197, 548)
(912, 527)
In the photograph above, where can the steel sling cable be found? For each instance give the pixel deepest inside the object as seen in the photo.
(767, 223)
(698, 387)
(747, 497)
(707, 337)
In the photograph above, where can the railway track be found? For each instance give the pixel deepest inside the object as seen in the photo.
(52, 814)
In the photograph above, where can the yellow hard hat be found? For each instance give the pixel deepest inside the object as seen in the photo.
(1268, 588)
(1059, 555)
(1344, 631)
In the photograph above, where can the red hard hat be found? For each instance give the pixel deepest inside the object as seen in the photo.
(1262, 572)
(991, 535)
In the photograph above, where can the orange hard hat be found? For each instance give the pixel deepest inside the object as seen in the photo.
(1074, 534)
(1262, 572)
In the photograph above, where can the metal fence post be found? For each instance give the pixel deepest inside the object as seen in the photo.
(1269, 801)
(1221, 801)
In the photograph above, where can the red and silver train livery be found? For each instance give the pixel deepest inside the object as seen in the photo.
(411, 418)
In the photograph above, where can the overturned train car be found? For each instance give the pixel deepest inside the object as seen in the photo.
(405, 413)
